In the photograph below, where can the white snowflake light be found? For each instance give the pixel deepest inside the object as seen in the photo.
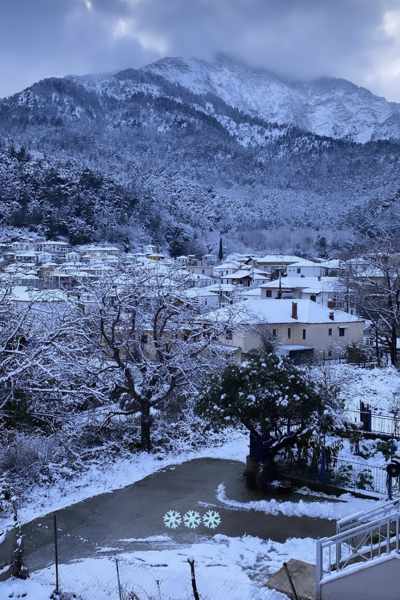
(212, 519)
(172, 519)
(192, 519)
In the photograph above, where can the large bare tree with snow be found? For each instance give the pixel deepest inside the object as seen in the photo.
(145, 341)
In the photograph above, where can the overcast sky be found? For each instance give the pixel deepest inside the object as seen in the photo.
(355, 39)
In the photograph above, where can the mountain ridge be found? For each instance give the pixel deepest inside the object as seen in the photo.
(194, 164)
(289, 101)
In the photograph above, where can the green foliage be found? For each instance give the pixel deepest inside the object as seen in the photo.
(367, 448)
(344, 475)
(265, 394)
(387, 447)
(365, 480)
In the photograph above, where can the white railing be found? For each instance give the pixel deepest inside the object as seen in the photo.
(379, 512)
(356, 545)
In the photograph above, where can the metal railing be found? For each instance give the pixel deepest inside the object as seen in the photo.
(360, 476)
(355, 546)
(381, 511)
(345, 474)
(380, 424)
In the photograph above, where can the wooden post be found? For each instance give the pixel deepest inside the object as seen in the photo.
(56, 552)
(194, 585)
(290, 581)
(118, 579)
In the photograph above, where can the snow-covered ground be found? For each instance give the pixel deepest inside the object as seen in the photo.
(377, 387)
(319, 510)
(225, 567)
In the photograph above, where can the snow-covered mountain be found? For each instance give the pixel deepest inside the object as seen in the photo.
(328, 107)
(184, 150)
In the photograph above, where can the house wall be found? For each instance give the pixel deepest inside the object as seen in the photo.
(285, 293)
(306, 271)
(380, 581)
(250, 338)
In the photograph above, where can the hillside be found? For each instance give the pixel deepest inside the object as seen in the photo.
(189, 161)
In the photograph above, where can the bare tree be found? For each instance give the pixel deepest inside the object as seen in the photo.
(375, 282)
(145, 342)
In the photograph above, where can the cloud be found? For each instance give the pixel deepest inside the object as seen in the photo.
(355, 39)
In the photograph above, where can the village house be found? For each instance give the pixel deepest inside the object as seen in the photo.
(240, 277)
(275, 264)
(226, 268)
(305, 268)
(323, 290)
(332, 267)
(56, 249)
(302, 329)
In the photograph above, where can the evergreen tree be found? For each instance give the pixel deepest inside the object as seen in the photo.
(220, 251)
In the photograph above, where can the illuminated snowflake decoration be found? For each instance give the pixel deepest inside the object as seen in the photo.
(211, 519)
(192, 519)
(172, 519)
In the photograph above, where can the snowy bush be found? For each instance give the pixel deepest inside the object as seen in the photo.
(27, 452)
(365, 480)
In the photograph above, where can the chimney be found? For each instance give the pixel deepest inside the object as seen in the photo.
(331, 315)
(331, 304)
(294, 310)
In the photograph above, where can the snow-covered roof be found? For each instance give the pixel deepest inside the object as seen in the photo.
(252, 292)
(21, 293)
(279, 259)
(54, 243)
(240, 274)
(227, 265)
(311, 285)
(199, 292)
(304, 262)
(258, 311)
(223, 287)
(333, 263)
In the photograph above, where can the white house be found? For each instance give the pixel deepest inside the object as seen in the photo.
(322, 290)
(302, 327)
(226, 268)
(275, 263)
(305, 268)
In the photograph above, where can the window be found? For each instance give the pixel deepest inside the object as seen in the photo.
(341, 331)
(330, 331)
(304, 334)
(298, 270)
(329, 353)
(274, 334)
(268, 293)
(289, 333)
(313, 298)
(229, 335)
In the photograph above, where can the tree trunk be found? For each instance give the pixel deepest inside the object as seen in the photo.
(145, 427)
(393, 346)
(377, 349)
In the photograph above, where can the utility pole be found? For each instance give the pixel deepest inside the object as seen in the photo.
(57, 590)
